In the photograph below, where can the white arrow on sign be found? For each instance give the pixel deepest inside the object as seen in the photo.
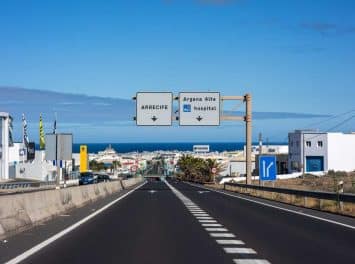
(266, 170)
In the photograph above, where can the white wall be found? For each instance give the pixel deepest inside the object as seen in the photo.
(4, 146)
(38, 169)
(341, 152)
(236, 167)
(315, 150)
(14, 153)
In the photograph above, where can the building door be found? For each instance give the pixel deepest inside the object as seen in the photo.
(314, 163)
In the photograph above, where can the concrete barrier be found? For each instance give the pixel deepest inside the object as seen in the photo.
(21, 211)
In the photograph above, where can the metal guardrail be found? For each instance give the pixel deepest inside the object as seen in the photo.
(15, 185)
(340, 197)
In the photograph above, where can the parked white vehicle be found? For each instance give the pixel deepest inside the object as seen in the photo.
(231, 179)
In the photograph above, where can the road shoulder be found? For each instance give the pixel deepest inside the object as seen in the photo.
(346, 221)
(15, 245)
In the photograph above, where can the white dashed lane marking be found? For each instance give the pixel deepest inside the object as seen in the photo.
(200, 214)
(222, 235)
(207, 221)
(211, 225)
(251, 261)
(229, 242)
(216, 230)
(236, 250)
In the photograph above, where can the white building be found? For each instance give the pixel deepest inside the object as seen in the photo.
(321, 151)
(4, 145)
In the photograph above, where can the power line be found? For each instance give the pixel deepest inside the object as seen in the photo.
(329, 118)
(336, 126)
(342, 123)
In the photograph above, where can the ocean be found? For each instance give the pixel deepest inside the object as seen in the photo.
(140, 147)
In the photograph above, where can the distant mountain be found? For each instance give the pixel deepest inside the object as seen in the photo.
(80, 108)
(76, 108)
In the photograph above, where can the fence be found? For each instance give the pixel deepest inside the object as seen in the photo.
(15, 185)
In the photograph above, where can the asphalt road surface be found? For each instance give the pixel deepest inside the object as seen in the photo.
(175, 222)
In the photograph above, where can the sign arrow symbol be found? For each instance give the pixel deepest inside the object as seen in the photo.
(199, 118)
(154, 118)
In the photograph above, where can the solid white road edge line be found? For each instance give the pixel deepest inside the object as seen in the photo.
(50, 240)
(280, 208)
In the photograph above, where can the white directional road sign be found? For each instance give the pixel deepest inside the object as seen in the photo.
(154, 109)
(199, 109)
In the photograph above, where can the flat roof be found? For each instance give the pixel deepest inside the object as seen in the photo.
(4, 114)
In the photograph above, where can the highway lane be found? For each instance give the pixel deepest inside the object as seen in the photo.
(175, 222)
(151, 225)
(278, 236)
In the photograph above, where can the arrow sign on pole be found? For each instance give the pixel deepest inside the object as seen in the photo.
(267, 168)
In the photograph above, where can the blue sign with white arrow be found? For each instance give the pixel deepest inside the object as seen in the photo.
(267, 168)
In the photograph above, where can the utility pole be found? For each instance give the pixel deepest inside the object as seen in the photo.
(248, 128)
(260, 152)
(57, 162)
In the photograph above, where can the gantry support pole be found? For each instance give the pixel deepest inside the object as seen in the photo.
(248, 135)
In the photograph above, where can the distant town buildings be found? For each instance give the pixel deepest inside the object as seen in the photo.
(311, 151)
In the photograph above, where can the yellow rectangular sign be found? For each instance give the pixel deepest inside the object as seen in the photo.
(84, 158)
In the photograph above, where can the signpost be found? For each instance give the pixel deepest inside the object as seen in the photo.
(59, 147)
(199, 109)
(267, 168)
(214, 171)
(154, 109)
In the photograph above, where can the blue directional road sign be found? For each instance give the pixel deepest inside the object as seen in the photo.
(267, 168)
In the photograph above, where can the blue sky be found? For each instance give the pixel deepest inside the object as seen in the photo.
(293, 56)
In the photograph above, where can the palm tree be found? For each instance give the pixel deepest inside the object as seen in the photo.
(213, 164)
(198, 169)
(116, 164)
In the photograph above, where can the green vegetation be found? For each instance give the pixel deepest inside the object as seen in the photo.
(96, 166)
(198, 169)
(116, 164)
(100, 166)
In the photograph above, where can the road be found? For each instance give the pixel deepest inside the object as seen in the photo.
(175, 222)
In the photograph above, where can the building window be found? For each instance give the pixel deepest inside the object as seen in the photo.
(297, 143)
(291, 143)
(309, 144)
(320, 144)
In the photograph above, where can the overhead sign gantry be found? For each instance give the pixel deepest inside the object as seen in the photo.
(194, 109)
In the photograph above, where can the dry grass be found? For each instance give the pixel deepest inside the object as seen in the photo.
(314, 183)
(309, 183)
